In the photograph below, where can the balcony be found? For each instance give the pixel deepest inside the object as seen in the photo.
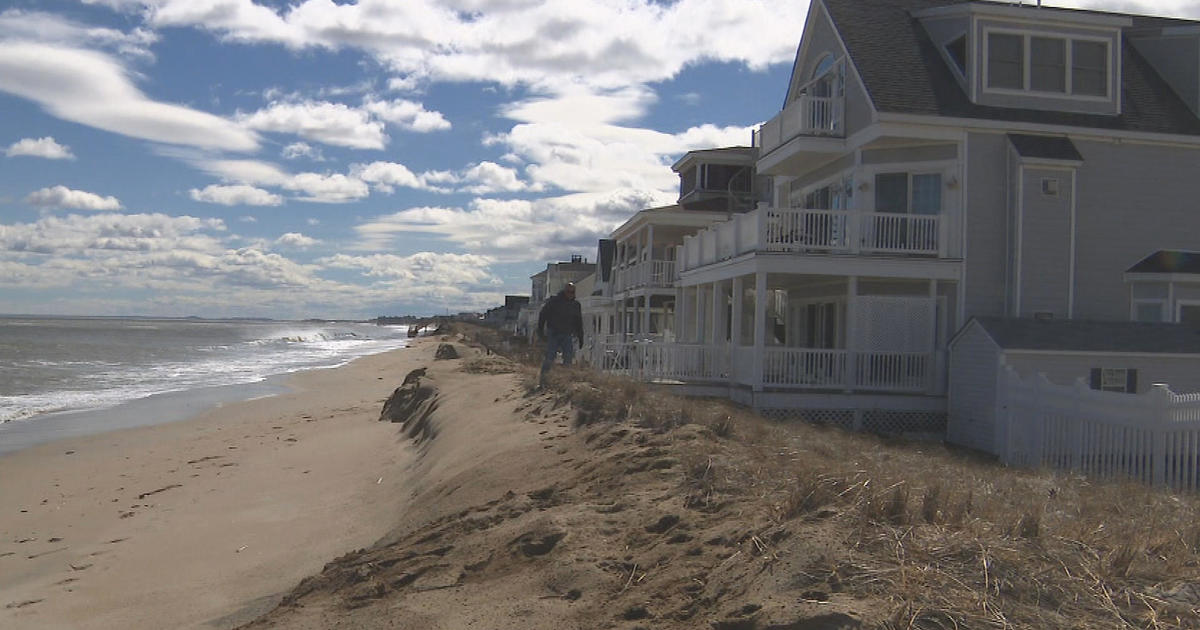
(648, 274)
(819, 110)
(796, 230)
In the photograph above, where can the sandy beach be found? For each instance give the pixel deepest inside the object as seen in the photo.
(202, 523)
(591, 503)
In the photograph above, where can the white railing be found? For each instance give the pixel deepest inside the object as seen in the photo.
(782, 368)
(804, 368)
(801, 230)
(892, 371)
(662, 361)
(1152, 437)
(807, 115)
(653, 273)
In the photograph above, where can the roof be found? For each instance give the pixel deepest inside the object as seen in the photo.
(1168, 261)
(1069, 335)
(727, 155)
(904, 73)
(1045, 147)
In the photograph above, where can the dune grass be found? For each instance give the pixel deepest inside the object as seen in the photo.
(947, 538)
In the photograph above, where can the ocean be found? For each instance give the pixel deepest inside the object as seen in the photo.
(66, 366)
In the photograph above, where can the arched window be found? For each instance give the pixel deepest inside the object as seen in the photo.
(823, 66)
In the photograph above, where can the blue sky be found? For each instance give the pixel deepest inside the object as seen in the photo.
(313, 158)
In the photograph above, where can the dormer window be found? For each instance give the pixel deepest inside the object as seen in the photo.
(1047, 65)
(956, 49)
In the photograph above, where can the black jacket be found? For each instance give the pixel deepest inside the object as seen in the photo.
(561, 315)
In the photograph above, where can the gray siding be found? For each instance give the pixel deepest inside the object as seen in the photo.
(1181, 374)
(930, 153)
(843, 163)
(1133, 199)
(974, 362)
(986, 196)
(1045, 243)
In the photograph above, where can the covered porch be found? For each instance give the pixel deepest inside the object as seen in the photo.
(792, 332)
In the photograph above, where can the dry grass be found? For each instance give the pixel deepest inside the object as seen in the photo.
(948, 539)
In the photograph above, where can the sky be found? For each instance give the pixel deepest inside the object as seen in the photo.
(349, 159)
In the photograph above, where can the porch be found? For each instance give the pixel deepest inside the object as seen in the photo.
(800, 231)
(788, 332)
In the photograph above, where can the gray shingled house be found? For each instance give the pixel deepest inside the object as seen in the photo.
(935, 161)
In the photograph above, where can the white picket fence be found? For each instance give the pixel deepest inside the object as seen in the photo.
(1152, 437)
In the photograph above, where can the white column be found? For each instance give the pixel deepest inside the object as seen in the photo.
(715, 323)
(851, 333)
(760, 327)
(935, 364)
(699, 313)
(735, 335)
(646, 314)
(680, 316)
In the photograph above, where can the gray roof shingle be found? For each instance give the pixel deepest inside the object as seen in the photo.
(903, 72)
(1046, 147)
(1168, 261)
(1091, 336)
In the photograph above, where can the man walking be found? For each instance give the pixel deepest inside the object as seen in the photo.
(559, 319)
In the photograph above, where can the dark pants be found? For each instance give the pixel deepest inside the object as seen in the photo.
(558, 342)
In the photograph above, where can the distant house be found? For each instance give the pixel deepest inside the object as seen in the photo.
(934, 161)
(548, 282)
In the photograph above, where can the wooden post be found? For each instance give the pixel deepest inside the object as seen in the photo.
(851, 376)
(760, 327)
(1161, 397)
(735, 334)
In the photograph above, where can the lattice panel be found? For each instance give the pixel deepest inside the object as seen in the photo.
(896, 422)
(834, 417)
(895, 324)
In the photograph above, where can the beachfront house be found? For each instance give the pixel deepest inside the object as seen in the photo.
(546, 283)
(936, 161)
(634, 306)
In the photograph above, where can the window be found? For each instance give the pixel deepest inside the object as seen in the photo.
(1089, 68)
(1148, 310)
(1006, 61)
(956, 49)
(907, 193)
(1122, 380)
(1047, 64)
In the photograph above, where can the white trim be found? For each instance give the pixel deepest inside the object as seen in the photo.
(964, 208)
(1075, 18)
(1186, 278)
(960, 74)
(1071, 260)
(986, 125)
(1026, 36)
(1019, 227)
(1179, 308)
(1100, 353)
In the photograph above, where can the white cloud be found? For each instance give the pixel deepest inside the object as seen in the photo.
(17, 24)
(248, 219)
(407, 115)
(489, 177)
(297, 150)
(335, 188)
(45, 147)
(76, 235)
(91, 88)
(517, 229)
(423, 267)
(61, 197)
(296, 239)
(320, 121)
(236, 195)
